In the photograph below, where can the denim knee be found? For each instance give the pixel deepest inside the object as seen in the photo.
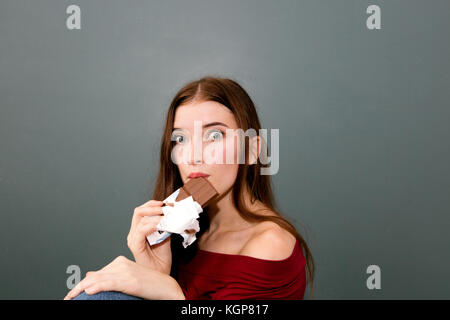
(106, 295)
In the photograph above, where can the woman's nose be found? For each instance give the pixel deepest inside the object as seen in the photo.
(196, 152)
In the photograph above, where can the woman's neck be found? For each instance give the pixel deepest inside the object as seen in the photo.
(224, 217)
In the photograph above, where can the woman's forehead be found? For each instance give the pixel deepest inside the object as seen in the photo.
(207, 112)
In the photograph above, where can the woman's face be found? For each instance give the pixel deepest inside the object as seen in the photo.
(202, 143)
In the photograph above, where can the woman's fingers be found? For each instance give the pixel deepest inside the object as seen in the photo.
(145, 219)
(148, 211)
(137, 239)
(107, 285)
(141, 212)
(152, 203)
(79, 288)
(148, 224)
(97, 282)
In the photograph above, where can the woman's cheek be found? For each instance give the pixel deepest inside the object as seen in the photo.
(220, 152)
(178, 154)
(239, 157)
(230, 150)
(223, 177)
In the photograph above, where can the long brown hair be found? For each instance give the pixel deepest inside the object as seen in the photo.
(230, 94)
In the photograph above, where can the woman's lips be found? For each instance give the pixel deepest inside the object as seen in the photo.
(197, 174)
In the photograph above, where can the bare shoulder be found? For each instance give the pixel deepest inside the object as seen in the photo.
(270, 242)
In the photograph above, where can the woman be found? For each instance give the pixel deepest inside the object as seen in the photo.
(245, 249)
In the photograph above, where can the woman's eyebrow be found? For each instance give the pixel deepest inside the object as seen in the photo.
(216, 123)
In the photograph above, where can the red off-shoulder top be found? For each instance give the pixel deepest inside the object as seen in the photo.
(220, 276)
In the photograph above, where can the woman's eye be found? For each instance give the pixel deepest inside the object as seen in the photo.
(179, 138)
(215, 135)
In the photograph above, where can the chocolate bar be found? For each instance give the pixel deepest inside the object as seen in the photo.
(200, 189)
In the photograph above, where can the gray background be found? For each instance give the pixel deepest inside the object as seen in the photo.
(363, 118)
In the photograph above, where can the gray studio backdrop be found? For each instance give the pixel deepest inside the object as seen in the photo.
(363, 118)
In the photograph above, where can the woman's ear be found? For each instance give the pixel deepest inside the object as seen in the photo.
(254, 149)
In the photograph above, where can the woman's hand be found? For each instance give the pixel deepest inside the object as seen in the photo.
(126, 276)
(145, 219)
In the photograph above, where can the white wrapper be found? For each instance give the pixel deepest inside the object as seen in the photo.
(182, 216)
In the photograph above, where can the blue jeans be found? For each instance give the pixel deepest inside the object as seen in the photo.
(106, 295)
